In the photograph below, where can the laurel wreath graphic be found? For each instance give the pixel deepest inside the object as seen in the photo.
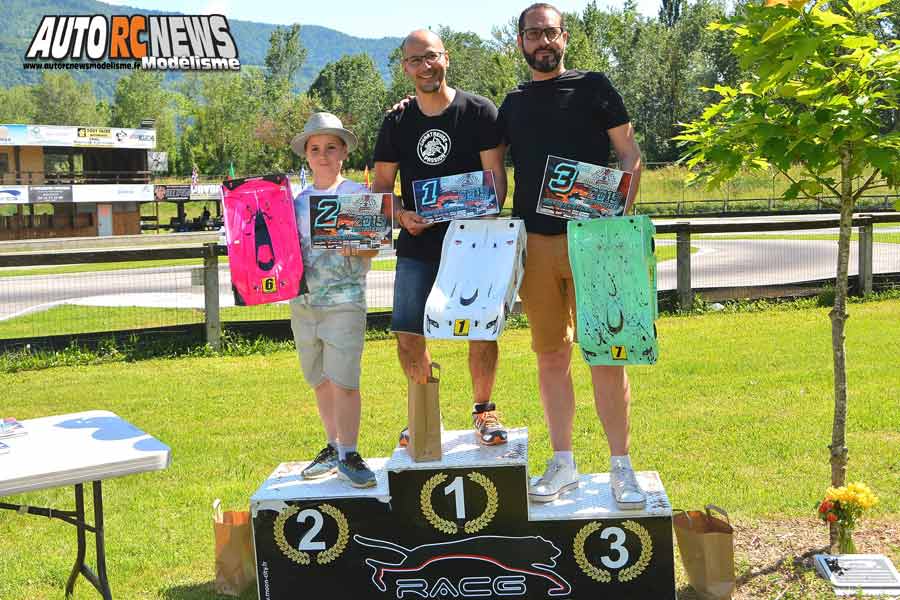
(626, 574)
(595, 573)
(471, 526)
(490, 510)
(301, 558)
(632, 572)
(324, 557)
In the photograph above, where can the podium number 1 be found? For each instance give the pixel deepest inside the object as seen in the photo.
(429, 188)
(306, 542)
(456, 488)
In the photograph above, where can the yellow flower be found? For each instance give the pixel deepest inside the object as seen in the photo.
(854, 494)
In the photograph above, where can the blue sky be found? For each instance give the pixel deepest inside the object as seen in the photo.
(373, 18)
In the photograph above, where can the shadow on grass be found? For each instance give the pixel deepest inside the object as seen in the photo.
(202, 591)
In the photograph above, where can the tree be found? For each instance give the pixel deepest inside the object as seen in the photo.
(283, 112)
(142, 95)
(17, 105)
(226, 109)
(816, 86)
(285, 56)
(60, 100)
(353, 89)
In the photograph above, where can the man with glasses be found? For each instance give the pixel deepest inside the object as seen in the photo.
(442, 131)
(576, 115)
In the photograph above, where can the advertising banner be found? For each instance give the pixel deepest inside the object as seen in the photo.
(40, 194)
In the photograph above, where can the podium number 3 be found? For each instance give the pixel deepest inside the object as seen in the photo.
(564, 178)
(617, 545)
(306, 542)
(456, 488)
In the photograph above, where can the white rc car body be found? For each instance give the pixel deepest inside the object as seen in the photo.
(482, 265)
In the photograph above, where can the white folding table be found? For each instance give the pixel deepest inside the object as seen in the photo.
(71, 450)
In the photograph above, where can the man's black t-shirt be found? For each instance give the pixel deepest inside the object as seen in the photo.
(567, 116)
(425, 147)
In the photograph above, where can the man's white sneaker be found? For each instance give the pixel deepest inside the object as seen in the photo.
(557, 479)
(625, 488)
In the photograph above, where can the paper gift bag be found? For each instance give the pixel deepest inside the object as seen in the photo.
(425, 417)
(235, 568)
(706, 544)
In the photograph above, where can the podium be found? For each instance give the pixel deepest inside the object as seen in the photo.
(461, 527)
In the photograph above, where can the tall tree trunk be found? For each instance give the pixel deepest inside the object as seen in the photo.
(838, 316)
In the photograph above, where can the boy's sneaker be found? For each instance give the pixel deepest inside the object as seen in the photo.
(325, 463)
(556, 480)
(355, 470)
(625, 488)
(488, 428)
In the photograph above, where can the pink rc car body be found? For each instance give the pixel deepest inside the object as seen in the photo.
(263, 242)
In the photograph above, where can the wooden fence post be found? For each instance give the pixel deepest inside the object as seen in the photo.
(864, 251)
(211, 296)
(683, 266)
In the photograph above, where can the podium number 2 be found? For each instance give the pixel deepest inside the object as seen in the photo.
(327, 212)
(456, 488)
(617, 545)
(306, 542)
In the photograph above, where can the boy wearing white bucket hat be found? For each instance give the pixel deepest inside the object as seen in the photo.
(329, 321)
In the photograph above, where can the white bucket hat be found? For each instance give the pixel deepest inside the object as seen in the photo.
(323, 123)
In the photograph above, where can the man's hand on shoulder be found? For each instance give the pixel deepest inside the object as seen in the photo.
(400, 106)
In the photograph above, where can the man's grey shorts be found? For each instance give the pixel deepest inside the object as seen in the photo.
(329, 341)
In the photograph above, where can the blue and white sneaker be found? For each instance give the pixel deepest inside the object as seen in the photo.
(325, 463)
(355, 470)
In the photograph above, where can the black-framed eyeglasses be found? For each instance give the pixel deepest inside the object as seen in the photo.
(533, 34)
(428, 57)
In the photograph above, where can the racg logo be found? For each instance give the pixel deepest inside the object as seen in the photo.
(433, 147)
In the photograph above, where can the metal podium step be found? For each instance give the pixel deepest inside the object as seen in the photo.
(460, 527)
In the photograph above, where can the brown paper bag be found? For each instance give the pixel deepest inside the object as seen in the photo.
(235, 568)
(706, 544)
(425, 417)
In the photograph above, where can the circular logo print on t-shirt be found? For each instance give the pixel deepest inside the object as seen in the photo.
(433, 147)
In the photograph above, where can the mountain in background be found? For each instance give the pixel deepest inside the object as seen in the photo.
(19, 20)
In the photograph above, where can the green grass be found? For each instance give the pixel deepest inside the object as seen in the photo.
(93, 267)
(736, 412)
(69, 319)
(880, 238)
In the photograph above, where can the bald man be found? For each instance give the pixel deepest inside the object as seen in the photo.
(443, 131)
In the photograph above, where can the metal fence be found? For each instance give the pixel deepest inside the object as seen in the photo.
(50, 296)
